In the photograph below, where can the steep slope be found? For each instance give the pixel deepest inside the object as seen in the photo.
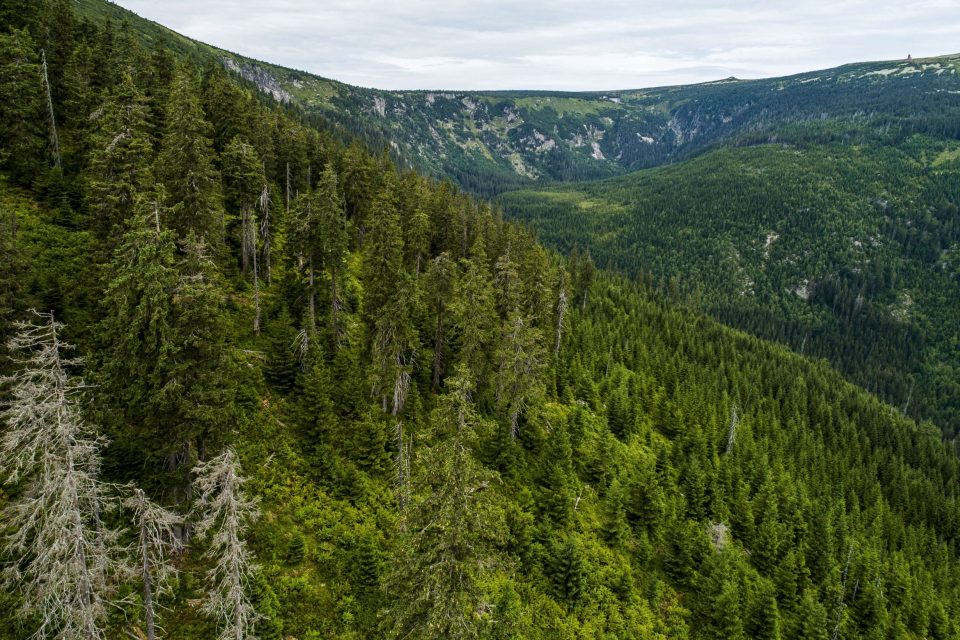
(843, 251)
(452, 432)
(489, 141)
(629, 504)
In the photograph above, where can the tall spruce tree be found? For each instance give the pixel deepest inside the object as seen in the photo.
(452, 531)
(186, 166)
(244, 184)
(162, 354)
(390, 296)
(332, 242)
(120, 161)
(22, 117)
(139, 339)
(474, 313)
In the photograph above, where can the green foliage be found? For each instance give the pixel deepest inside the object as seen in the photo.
(574, 487)
(451, 531)
(22, 125)
(839, 251)
(121, 159)
(185, 163)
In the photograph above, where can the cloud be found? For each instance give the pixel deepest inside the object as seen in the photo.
(561, 44)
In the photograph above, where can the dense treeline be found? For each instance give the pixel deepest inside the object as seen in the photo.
(844, 250)
(452, 433)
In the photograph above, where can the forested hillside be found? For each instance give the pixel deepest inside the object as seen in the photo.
(844, 249)
(312, 396)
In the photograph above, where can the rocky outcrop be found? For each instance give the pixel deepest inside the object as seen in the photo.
(260, 77)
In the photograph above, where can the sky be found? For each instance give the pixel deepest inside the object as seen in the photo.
(561, 44)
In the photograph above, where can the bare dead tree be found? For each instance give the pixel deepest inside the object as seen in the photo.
(841, 605)
(225, 515)
(249, 251)
(301, 346)
(402, 466)
(403, 364)
(157, 542)
(263, 203)
(54, 138)
(732, 430)
(906, 405)
(60, 546)
(561, 314)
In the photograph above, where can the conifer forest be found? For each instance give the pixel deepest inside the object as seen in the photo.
(265, 373)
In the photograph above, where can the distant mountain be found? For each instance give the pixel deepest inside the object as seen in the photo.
(491, 140)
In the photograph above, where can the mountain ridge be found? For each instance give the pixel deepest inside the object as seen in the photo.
(489, 141)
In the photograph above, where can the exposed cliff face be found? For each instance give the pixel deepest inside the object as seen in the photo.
(259, 76)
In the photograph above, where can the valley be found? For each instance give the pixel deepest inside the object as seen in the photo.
(289, 359)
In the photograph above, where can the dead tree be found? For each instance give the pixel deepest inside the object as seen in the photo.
(906, 405)
(61, 547)
(54, 138)
(263, 203)
(841, 605)
(561, 314)
(157, 542)
(225, 516)
(732, 430)
(249, 251)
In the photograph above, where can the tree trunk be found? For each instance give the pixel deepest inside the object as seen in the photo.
(438, 352)
(313, 309)
(334, 307)
(147, 584)
(54, 138)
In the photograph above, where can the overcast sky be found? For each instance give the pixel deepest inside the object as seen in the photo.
(561, 44)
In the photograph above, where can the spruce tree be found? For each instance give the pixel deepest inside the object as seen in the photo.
(448, 547)
(186, 167)
(567, 570)
(163, 360)
(138, 338)
(390, 295)
(23, 121)
(474, 314)
(120, 167)
(440, 280)
(225, 105)
(331, 247)
(520, 358)
(244, 182)
(281, 368)
(319, 237)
